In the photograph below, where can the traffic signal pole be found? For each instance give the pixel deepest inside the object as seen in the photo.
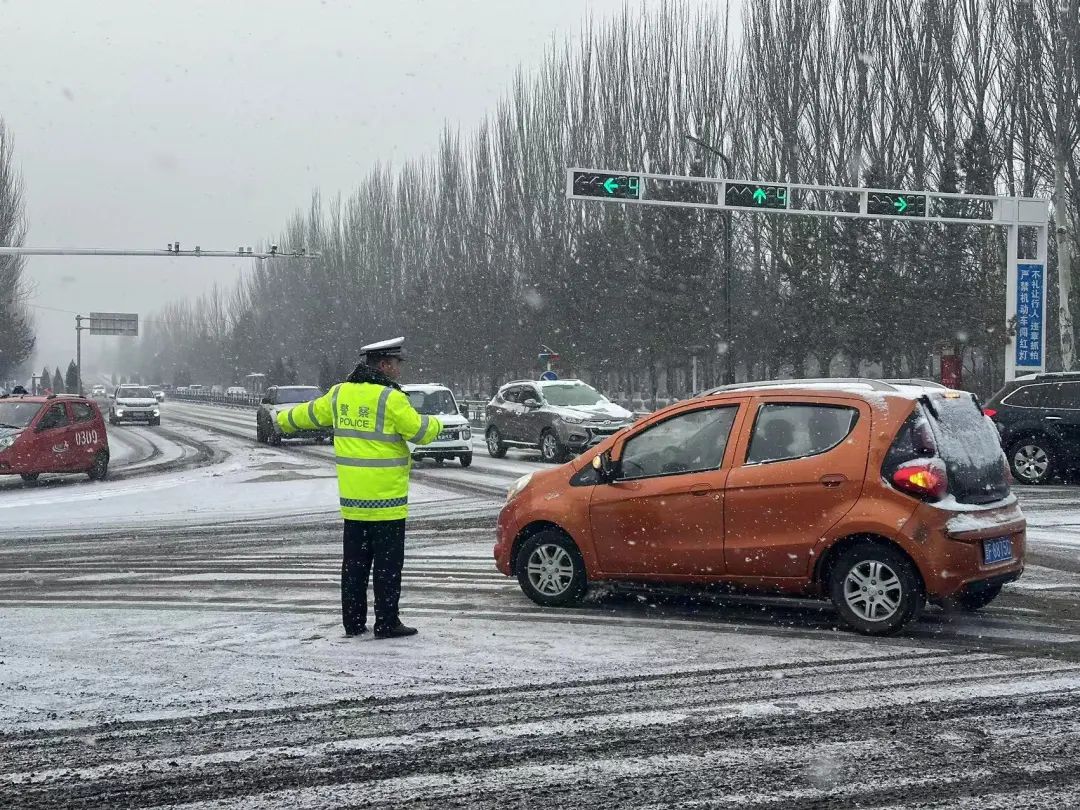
(1025, 321)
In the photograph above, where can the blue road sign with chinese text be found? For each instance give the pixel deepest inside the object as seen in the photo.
(1030, 280)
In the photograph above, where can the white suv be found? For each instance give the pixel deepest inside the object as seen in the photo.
(455, 441)
(134, 403)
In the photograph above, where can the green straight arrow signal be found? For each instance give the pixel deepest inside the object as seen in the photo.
(759, 196)
(901, 204)
(611, 185)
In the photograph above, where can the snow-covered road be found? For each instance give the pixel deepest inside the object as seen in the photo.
(210, 667)
(173, 638)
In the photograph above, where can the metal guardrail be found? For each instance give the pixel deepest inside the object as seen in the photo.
(477, 408)
(207, 398)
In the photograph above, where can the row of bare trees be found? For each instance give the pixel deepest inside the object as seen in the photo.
(474, 253)
(16, 324)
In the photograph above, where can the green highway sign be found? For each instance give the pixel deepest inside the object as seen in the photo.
(751, 195)
(610, 186)
(895, 204)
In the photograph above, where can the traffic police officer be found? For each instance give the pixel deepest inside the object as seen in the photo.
(372, 420)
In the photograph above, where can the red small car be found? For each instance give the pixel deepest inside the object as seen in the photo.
(53, 434)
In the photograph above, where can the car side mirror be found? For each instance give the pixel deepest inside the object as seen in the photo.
(607, 469)
(531, 403)
(266, 401)
(464, 410)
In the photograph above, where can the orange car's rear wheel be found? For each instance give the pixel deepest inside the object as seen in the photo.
(876, 588)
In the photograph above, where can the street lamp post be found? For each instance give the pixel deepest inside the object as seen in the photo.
(729, 371)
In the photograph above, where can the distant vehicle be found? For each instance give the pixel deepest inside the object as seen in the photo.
(455, 441)
(183, 390)
(134, 403)
(235, 392)
(55, 434)
(158, 391)
(282, 397)
(196, 389)
(1038, 417)
(98, 391)
(558, 417)
(875, 495)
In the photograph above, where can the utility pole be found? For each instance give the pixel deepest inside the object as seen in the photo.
(78, 353)
(729, 370)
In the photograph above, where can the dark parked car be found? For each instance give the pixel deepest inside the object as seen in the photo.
(1038, 417)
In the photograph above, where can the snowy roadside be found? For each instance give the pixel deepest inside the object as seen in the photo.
(67, 668)
(253, 483)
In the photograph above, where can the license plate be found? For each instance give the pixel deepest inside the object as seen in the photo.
(997, 550)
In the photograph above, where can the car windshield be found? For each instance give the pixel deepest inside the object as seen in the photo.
(286, 395)
(433, 403)
(572, 395)
(17, 414)
(134, 393)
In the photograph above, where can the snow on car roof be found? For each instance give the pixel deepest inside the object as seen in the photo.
(556, 383)
(425, 387)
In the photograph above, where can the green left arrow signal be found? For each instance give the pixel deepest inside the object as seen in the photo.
(611, 185)
(900, 204)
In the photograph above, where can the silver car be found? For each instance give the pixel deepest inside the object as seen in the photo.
(282, 398)
(557, 417)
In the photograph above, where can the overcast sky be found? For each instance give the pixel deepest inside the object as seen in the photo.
(139, 123)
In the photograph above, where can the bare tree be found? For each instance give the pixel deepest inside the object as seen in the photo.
(16, 324)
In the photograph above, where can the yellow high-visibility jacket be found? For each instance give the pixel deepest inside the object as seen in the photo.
(371, 426)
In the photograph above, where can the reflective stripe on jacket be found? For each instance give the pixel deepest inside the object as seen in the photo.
(372, 424)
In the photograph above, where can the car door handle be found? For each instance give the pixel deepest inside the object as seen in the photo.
(701, 489)
(833, 480)
(1052, 418)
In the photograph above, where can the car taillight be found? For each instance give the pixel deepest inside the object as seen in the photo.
(927, 479)
(990, 412)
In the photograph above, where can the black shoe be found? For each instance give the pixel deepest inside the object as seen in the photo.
(360, 632)
(397, 631)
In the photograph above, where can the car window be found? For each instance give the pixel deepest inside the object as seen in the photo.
(1030, 396)
(1063, 396)
(783, 432)
(528, 392)
(134, 392)
(17, 414)
(573, 394)
(82, 412)
(689, 442)
(290, 395)
(433, 403)
(55, 417)
(512, 394)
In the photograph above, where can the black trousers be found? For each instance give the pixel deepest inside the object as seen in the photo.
(367, 544)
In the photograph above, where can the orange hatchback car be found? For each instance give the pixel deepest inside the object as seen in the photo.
(876, 494)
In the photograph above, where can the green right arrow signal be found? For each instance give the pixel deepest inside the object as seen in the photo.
(900, 204)
(759, 196)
